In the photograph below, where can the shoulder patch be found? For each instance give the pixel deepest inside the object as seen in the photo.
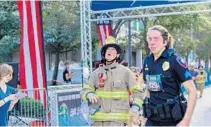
(181, 61)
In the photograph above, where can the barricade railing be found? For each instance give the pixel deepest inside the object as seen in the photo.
(66, 107)
(31, 110)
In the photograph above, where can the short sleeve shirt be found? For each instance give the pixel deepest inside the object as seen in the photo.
(64, 78)
(5, 107)
(173, 72)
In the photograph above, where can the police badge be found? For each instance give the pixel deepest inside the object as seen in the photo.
(165, 66)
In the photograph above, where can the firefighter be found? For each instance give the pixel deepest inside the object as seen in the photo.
(200, 79)
(107, 90)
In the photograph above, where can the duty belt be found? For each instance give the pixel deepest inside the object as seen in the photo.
(161, 109)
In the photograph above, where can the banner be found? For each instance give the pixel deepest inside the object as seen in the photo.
(104, 29)
(97, 5)
(70, 109)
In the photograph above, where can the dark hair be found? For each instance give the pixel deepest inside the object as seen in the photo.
(165, 35)
(118, 49)
(97, 64)
(125, 64)
(66, 63)
(200, 66)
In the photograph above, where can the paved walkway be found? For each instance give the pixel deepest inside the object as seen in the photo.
(202, 113)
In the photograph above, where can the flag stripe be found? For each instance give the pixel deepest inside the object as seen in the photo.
(107, 33)
(104, 29)
(41, 51)
(109, 30)
(37, 50)
(32, 66)
(32, 47)
(26, 52)
(99, 34)
(22, 73)
(41, 45)
(102, 33)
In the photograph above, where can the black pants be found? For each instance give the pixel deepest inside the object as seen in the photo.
(151, 123)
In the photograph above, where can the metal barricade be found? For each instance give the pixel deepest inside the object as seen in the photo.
(66, 107)
(31, 110)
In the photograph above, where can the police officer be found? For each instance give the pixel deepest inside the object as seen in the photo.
(164, 71)
(107, 90)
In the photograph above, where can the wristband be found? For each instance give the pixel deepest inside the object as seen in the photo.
(6, 99)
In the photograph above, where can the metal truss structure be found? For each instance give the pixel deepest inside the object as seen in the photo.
(86, 42)
(88, 16)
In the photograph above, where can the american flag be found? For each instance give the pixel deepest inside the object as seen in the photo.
(32, 64)
(104, 29)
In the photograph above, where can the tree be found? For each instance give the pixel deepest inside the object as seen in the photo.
(10, 30)
(203, 49)
(186, 27)
(189, 29)
(61, 28)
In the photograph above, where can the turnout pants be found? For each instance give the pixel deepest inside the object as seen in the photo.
(201, 88)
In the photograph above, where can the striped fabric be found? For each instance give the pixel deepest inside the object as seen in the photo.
(104, 29)
(32, 64)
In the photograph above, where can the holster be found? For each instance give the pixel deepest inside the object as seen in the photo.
(147, 112)
(167, 111)
(160, 111)
(183, 104)
(176, 112)
(174, 108)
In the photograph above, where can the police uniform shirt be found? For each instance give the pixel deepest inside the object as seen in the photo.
(193, 74)
(172, 70)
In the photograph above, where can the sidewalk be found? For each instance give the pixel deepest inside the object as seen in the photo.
(202, 113)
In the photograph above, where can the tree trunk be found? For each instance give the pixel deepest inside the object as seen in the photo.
(206, 63)
(146, 44)
(117, 27)
(209, 66)
(186, 56)
(199, 61)
(145, 22)
(56, 68)
(155, 22)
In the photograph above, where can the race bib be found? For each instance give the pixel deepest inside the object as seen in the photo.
(154, 82)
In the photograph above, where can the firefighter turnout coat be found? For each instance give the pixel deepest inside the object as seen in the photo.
(111, 84)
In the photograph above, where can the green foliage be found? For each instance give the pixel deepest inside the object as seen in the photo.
(8, 45)
(61, 24)
(95, 39)
(9, 30)
(189, 31)
(30, 108)
(203, 48)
